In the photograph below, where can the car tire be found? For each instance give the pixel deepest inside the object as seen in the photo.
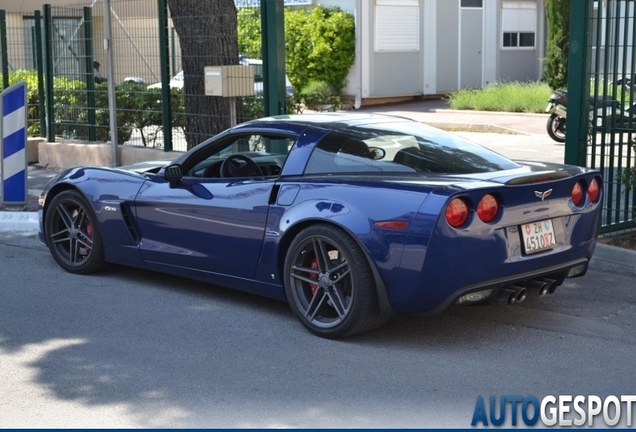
(72, 233)
(343, 300)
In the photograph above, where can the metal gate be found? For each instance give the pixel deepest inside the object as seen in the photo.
(602, 85)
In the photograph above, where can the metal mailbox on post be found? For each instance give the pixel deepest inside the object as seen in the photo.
(231, 82)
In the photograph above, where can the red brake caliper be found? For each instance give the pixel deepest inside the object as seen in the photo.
(89, 232)
(314, 287)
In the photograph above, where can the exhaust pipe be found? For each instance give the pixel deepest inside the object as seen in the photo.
(512, 294)
(552, 284)
(507, 295)
(541, 286)
(520, 293)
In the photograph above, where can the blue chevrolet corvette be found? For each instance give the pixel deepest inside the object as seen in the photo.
(350, 218)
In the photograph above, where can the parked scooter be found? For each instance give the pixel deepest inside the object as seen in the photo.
(557, 108)
(603, 110)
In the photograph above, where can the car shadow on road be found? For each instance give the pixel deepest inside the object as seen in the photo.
(164, 351)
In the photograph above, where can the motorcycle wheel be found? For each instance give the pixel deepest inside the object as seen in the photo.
(556, 128)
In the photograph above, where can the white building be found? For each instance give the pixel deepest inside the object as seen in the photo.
(403, 47)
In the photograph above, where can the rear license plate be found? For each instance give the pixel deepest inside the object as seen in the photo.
(538, 236)
(549, 107)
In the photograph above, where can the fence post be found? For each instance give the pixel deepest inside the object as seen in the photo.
(48, 43)
(40, 70)
(164, 55)
(90, 76)
(4, 49)
(173, 44)
(578, 85)
(112, 97)
(273, 35)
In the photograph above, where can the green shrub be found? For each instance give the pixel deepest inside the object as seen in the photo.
(249, 31)
(320, 96)
(319, 44)
(33, 107)
(253, 106)
(558, 44)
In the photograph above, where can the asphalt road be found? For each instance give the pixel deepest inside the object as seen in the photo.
(129, 348)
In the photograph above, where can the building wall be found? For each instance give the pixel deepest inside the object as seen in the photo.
(392, 71)
(447, 45)
(522, 64)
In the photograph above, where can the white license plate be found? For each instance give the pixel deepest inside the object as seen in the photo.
(538, 236)
(549, 107)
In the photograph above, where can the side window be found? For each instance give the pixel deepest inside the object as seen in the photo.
(518, 24)
(251, 155)
(337, 153)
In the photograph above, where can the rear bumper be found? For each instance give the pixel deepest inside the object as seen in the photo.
(557, 272)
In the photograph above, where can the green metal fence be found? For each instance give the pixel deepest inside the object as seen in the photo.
(19, 61)
(602, 103)
(159, 86)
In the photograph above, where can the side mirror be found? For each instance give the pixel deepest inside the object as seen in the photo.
(173, 173)
(377, 153)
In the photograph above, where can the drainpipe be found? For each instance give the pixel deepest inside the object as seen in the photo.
(358, 60)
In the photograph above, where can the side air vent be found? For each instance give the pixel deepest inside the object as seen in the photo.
(125, 212)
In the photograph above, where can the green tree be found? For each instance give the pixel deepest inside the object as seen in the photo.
(208, 36)
(249, 31)
(319, 44)
(556, 61)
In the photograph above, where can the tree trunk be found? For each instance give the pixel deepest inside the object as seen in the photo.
(207, 31)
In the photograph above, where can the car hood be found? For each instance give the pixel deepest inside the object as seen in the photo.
(143, 167)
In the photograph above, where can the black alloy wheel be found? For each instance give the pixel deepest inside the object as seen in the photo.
(329, 283)
(72, 233)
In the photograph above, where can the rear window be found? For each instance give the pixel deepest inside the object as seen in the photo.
(401, 147)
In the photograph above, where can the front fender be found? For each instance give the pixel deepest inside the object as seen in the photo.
(110, 194)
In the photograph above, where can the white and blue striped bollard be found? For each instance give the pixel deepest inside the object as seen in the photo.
(13, 135)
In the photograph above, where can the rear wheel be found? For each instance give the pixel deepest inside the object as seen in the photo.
(72, 233)
(329, 284)
(556, 127)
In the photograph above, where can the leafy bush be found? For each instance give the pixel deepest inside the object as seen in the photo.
(249, 31)
(137, 107)
(33, 106)
(558, 45)
(320, 96)
(254, 106)
(320, 43)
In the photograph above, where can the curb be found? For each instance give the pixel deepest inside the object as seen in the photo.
(476, 127)
(614, 259)
(18, 221)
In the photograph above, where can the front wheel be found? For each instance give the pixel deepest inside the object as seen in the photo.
(72, 233)
(556, 127)
(329, 283)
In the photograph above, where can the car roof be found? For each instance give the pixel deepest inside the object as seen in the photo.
(332, 120)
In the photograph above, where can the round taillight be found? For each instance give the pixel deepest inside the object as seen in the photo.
(488, 208)
(593, 190)
(577, 194)
(457, 212)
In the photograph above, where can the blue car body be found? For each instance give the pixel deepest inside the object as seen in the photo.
(236, 232)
